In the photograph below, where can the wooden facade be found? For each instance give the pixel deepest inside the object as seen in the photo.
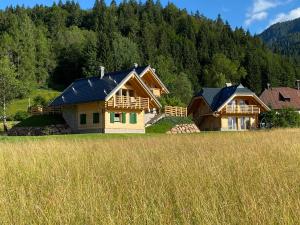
(122, 112)
(241, 113)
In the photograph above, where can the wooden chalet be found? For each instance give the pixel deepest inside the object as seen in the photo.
(116, 102)
(232, 108)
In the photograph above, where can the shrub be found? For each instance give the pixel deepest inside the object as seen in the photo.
(21, 116)
(39, 101)
(283, 118)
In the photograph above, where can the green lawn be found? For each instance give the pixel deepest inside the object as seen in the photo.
(167, 124)
(22, 104)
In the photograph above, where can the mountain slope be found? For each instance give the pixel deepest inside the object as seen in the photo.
(284, 38)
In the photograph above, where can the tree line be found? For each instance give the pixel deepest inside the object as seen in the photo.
(53, 46)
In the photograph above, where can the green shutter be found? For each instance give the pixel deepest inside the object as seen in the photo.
(112, 117)
(133, 118)
(123, 117)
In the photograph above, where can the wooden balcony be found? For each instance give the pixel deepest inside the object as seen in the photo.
(126, 102)
(241, 109)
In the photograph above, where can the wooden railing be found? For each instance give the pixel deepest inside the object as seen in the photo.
(175, 111)
(240, 109)
(129, 102)
(39, 110)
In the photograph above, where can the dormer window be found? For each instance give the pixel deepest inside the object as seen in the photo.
(284, 98)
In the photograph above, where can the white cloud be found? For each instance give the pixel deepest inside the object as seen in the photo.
(256, 17)
(263, 5)
(282, 17)
(260, 8)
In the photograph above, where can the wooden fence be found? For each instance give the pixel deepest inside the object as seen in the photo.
(175, 111)
(39, 110)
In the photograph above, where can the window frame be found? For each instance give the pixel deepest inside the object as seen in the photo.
(83, 119)
(96, 115)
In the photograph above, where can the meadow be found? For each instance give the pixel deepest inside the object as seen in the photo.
(208, 178)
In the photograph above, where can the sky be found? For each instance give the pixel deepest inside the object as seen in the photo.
(253, 15)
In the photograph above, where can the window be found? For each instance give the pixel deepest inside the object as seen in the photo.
(245, 123)
(133, 118)
(117, 117)
(284, 98)
(131, 93)
(82, 119)
(232, 123)
(233, 102)
(96, 118)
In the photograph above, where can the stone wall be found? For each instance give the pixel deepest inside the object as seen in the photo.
(40, 131)
(184, 129)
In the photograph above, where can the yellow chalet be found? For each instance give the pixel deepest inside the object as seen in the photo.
(116, 102)
(232, 108)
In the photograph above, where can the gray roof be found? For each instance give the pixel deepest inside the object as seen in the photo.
(216, 97)
(94, 88)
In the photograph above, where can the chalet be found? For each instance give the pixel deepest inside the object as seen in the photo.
(230, 108)
(282, 97)
(116, 102)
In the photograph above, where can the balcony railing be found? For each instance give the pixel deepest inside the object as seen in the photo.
(129, 102)
(242, 109)
(173, 111)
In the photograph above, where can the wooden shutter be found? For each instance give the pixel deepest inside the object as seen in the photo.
(112, 117)
(123, 117)
(133, 118)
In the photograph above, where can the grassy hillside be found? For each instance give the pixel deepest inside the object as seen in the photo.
(167, 124)
(208, 178)
(22, 104)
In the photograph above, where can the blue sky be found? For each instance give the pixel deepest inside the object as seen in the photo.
(255, 15)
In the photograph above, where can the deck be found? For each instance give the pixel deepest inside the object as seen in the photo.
(241, 109)
(126, 102)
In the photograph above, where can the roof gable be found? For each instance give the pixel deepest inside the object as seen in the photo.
(216, 97)
(143, 70)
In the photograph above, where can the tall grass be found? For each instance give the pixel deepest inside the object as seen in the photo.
(217, 178)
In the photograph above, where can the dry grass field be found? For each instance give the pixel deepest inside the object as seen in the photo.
(209, 178)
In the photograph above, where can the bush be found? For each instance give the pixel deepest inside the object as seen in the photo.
(39, 101)
(21, 116)
(283, 118)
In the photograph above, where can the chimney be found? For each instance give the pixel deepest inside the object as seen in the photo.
(136, 65)
(228, 84)
(298, 84)
(102, 68)
(268, 86)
